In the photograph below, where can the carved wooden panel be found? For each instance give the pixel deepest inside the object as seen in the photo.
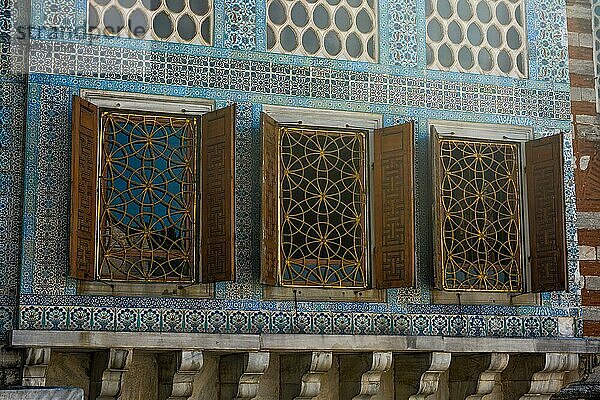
(270, 202)
(546, 214)
(84, 176)
(587, 175)
(394, 206)
(218, 136)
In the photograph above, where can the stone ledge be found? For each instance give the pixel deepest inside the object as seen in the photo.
(42, 394)
(297, 342)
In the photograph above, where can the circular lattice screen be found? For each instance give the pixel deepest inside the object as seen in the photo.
(342, 29)
(480, 36)
(184, 21)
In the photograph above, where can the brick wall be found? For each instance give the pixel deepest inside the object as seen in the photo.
(587, 156)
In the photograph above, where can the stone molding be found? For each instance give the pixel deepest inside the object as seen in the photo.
(300, 342)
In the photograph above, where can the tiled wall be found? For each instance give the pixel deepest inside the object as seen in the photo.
(238, 69)
(12, 131)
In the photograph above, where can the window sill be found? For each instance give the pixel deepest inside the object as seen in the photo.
(141, 289)
(468, 298)
(325, 294)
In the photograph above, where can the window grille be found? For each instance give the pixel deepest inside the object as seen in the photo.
(479, 209)
(478, 36)
(183, 21)
(147, 197)
(341, 29)
(323, 207)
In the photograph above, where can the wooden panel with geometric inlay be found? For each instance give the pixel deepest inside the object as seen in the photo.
(84, 176)
(270, 200)
(218, 156)
(546, 213)
(394, 206)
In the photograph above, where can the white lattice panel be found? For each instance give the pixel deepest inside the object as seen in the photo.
(183, 21)
(341, 29)
(478, 36)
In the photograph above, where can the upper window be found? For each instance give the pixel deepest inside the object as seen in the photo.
(136, 210)
(183, 21)
(342, 29)
(483, 197)
(479, 36)
(319, 215)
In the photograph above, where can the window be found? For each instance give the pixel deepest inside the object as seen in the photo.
(147, 196)
(483, 214)
(180, 21)
(136, 212)
(342, 29)
(486, 37)
(321, 210)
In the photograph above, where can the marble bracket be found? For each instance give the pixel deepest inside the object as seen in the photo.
(109, 368)
(430, 380)
(36, 366)
(551, 379)
(177, 373)
(489, 384)
(370, 381)
(311, 381)
(249, 383)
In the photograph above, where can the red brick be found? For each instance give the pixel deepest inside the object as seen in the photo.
(581, 53)
(589, 237)
(591, 328)
(589, 268)
(590, 297)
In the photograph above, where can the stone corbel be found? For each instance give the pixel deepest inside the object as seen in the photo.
(551, 379)
(311, 381)
(489, 383)
(178, 372)
(370, 382)
(109, 369)
(430, 380)
(36, 365)
(257, 364)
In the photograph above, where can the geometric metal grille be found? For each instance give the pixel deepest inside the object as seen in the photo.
(147, 197)
(480, 216)
(323, 207)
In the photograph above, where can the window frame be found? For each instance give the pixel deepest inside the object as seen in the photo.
(370, 122)
(144, 104)
(493, 133)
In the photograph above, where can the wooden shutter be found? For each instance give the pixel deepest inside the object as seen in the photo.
(436, 173)
(546, 208)
(394, 206)
(270, 200)
(84, 174)
(217, 193)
